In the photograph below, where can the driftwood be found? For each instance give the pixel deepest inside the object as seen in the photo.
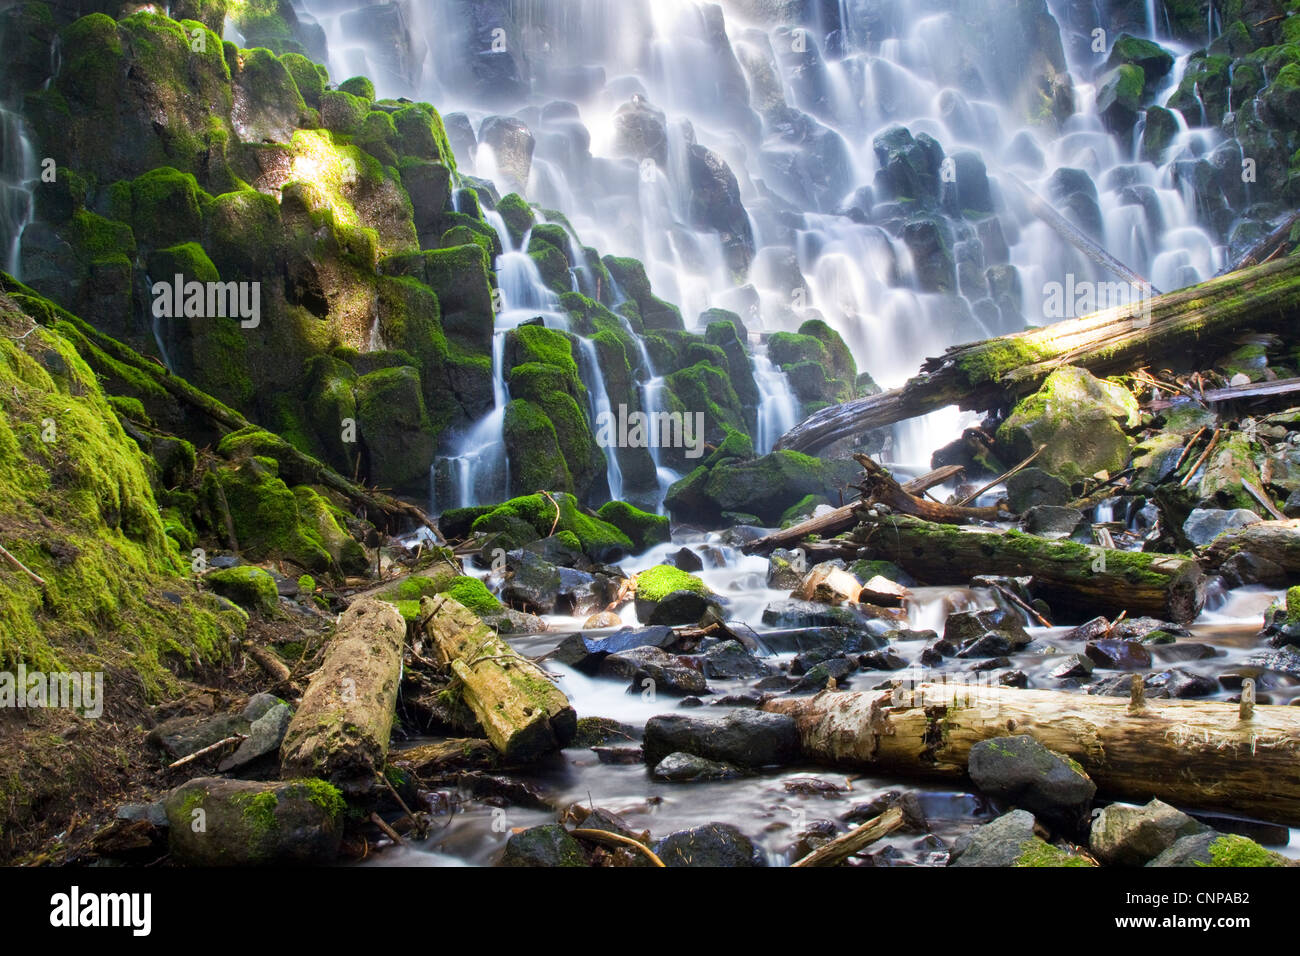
(843, 847)
(1269, 246)
(1193, 754)
(995, 372)
(1282, 388)
(879, 487)
(341, 729)
(843, 518)
(523, 713)
(1068, 575)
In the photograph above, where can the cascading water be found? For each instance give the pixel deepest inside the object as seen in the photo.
(658, 88)
(17, 171)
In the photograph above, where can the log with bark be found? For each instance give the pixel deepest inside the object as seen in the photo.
(341, 730)
(1071, 577)
(996, 372)
(845, 517)
(1199, 755)
(523, 713)
(880, 487)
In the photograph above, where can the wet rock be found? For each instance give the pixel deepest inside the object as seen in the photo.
(532, 584)
(1203, 525)
(688, 768)
(265, 734)
(1285, 660)
(730, 660)
(1052, 521)
(512, 143)
(1033, 487)
(883, 592)
(934, 654)
(1148, 630)
(825, 640)
(827, 584)
(619, 756)
(749, 699)
(593, 731)
(797, 614)
(1118, 655)
(509, 621)
(882, 661)
(217, 822)
(1074, 666)
(985, 633)
(602, 619)
(914, 820)
(585, 653)
(687, 560)
(822, 673)
(715, 204)
(744, 738)
(1124, 835)
(548, 845)
(1217, 849)
(668, 674)
(782, 570)
(641, 132)
(679, 607)
(711, 845)
(1021, 771)
(999, 843)
(1180, 684)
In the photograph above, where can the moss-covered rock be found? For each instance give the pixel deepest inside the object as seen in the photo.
(247, 586)
(1080, 419)
(396, 438)
(532, 517)
(645, 529)
(655, 584)
(765, 487)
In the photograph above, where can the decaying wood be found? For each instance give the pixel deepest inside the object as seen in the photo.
(610, 838)
(879, 487)
(1267, 247)
(995, 372)
(444, 756)
(1264, 500)
(1068, 575)
(273, 667)
(844, 517)
(1282, 388)
(341, 730)
(856, 840)
(1192, 754)
(1276, 541)
(523, 713)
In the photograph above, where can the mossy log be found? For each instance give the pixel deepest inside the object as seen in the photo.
(523, 713)
(1276, 541)
(997, 372)
(1071, 577)
(341, 729)
(1192, 754)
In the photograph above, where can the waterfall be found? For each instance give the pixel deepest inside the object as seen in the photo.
(795, 115)
(18, 170)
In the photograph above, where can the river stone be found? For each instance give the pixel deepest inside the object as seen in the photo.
(711, 845)
(548, 845)
(532, 584)
(1033, 487)
(512, 143)
(679, 607)
(668, 674)
(1203, 525)
(820, 674)
(730, 660)
(688, 768)
(999, 843)
(1199, 849)
(1052, 521)
(781, 570)
(1286, 661)
(1123, 835)
(182, 736)
(1076, 665)
(1180, 684)
(1118, 655)
(1021, 771)
(989, 633)
(586, 653)
(264, 736)
(743, 738)
(688, 561)
(795, 614)
(217, 822)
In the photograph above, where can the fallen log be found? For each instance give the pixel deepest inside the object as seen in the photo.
(1282, 388)
(1269, 246)
(524, 714)
(996, 372)
(1193, 754)
(856, 840)
(844, 517)
(1072, 577)
(879, 487)
(341, 729)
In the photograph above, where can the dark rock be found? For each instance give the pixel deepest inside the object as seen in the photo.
(1203, 525)
(999, 843)
(513, 144)
(711, 845)
(1180, 684)
(548, 845)
(744, 738)
(1033, 487)
(1052, 521)
(1076, 665)
(797, 614)
(688, 768)
(985, 633)
(1284, 661)
(819, 675)
(688, 561)
(1200, 849)
(679, 607)
(619, 756)
(1118, 655)
(730, 660)
(668, 673)
(1021, 771)
(586, 653)
(882, 661)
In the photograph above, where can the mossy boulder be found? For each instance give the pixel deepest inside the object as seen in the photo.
(252, 500)
(655, 584)
(532, 517)
(645, 529)
(1218, 850)
(1154, 60)
(1081, 421)
(765, 487)
(1233, 461)
(473, 594)
(397, 440)
(249, 587)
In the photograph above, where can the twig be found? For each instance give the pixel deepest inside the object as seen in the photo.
(236, 739)
(855, 840)
(389, 832)
(22, 567)
(997, 481)
(419, 828)
(1182, 459)
(1214, 440)
(1015, 599)
(617, 839)
(1263, 499)
(556, 523)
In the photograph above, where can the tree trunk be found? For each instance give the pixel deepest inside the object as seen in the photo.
(1069, 576)
(996, 372)
(341, 729)
(523, 713)
(1192, 754)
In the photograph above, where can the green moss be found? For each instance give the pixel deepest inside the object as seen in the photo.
(1037, 852)
(306, 584)
(325, 796)
(532, 517)
(518, 216)
(655, 584)
(359, 86)
(998, 357)
(1293, 605)
(473, 594)
(1234, 850)
(307, 76)
(258, 811)
(645, 529)
(247, 586)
